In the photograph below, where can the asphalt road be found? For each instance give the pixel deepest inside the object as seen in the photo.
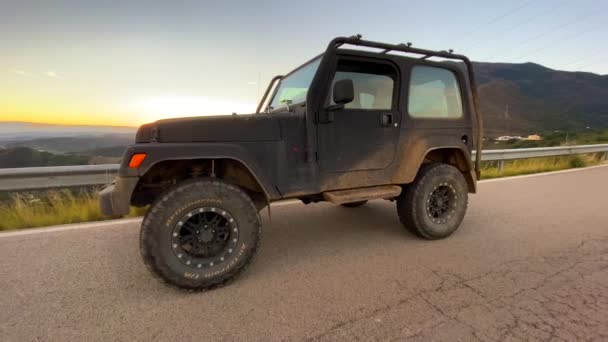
(530, 262)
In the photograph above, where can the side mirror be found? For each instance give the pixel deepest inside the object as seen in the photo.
(344, 92)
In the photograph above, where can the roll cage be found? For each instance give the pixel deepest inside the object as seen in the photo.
(406, 48)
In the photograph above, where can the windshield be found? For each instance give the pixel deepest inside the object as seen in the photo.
(293, 88)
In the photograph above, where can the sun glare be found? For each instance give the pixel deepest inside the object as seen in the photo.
(163, 107)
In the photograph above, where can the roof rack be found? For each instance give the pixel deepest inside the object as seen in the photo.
(402, 47)
(357, 40)
(407, 45)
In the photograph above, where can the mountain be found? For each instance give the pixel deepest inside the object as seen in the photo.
(528, 97)
(111, 152)
(30, 145)
(64, 138)
(27, 157)
(77, 144)
(11, 131)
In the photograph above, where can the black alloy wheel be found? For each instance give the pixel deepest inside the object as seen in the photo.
(204, 237)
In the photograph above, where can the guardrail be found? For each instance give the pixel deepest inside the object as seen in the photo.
(536, 152)
(40, 178)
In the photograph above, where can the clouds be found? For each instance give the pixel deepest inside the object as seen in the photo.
(20, 72)
(29, 74)
(51, 74)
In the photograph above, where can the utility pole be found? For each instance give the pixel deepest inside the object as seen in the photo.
(507, 120)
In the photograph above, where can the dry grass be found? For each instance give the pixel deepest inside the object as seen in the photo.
(537, 165)
(52, 208)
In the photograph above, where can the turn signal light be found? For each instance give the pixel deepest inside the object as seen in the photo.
(136, 160)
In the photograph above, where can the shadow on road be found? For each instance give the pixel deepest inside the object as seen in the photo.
(302, 233)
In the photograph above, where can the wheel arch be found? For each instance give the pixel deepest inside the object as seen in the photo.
(456, 156)
(165, 173)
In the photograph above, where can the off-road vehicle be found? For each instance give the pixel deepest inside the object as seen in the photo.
(374, 121)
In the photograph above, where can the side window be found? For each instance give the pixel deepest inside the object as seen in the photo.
(374, 84)
(434, 93)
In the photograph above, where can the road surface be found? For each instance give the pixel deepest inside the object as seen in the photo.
(530, 262)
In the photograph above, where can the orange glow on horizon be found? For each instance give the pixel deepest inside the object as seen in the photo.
(63, 118)
(131, 114)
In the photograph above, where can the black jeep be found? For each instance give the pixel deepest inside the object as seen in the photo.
(377, 121)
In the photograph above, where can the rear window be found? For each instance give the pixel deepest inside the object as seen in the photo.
(434, 94)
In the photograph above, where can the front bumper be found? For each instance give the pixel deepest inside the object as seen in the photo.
(115, 199)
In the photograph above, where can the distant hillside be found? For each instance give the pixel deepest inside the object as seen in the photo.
(22, 131)
(27, 157)
(80, 144)
(33, 145)
(113, 151)
(524, 98)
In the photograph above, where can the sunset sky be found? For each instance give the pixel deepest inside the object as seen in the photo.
(129, 62)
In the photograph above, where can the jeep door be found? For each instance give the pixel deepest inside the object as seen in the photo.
(363, 135)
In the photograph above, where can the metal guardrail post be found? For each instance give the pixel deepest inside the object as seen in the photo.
(501, 166)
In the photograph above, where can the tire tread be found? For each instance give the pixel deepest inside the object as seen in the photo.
(160, 270)
(406, 203)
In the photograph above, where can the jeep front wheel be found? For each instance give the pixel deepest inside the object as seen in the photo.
(434, 205)
(200, 234)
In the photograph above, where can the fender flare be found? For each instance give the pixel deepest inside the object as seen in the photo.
(157, 153)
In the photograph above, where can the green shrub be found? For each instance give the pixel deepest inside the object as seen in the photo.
(577, 161)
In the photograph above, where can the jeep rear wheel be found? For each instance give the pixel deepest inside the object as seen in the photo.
(434, 205)
(353, 204)
(200, 234)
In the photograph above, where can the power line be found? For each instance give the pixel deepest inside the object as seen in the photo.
(544, 33)
(579, 66)
(578, 34)
(513, 27)
(593, 54)
(587, 65)
(496, 19)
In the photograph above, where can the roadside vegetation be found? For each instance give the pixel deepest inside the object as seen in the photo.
(30, 210)
(537, 165)
(47, 208)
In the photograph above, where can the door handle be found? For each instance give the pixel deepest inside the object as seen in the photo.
(386, 119)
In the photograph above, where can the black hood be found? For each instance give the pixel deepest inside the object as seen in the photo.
(252, 127)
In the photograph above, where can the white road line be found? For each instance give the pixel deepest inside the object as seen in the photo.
(108, 223)
(65, 227)
(542, 174)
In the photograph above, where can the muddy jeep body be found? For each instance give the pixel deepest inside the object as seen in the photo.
(314, 150)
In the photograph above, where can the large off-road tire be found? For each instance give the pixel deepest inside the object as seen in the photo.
(353, 204)
(200, 234)
(434, 205)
